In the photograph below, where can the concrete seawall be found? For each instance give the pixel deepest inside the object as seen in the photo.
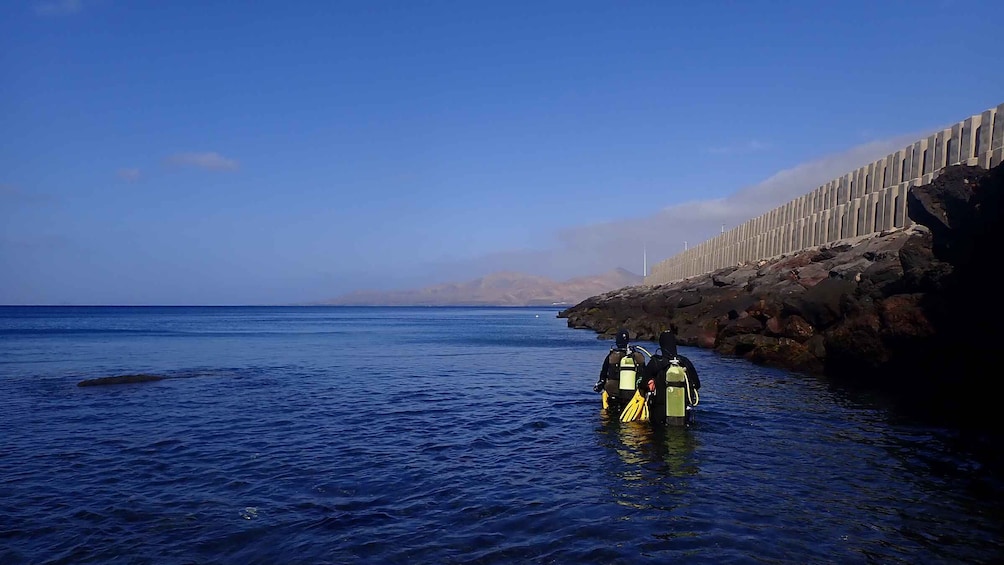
(868, 200)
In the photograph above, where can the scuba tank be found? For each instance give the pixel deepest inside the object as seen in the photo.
(628, 382)
(676, 393)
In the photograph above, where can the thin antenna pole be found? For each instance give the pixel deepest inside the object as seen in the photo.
(644, 255)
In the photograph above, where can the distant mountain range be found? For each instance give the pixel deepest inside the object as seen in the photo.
(497, 289)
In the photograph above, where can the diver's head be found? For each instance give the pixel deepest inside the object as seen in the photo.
(622, 338)
(667, 342)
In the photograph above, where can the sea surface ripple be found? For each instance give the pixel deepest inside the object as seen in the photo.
(446, 435)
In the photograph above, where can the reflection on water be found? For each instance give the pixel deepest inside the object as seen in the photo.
(669, 450)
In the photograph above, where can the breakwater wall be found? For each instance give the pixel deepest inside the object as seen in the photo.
(868, 200)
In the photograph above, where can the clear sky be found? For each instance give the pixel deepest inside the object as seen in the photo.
(225, 152)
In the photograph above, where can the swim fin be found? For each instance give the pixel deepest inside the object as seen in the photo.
(606, 402)
(634, 408)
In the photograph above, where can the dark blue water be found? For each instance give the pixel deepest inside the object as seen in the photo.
(451, 435)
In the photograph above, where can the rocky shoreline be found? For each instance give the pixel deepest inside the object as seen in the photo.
(907, 311)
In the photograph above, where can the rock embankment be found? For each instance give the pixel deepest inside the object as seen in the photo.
(909, 310)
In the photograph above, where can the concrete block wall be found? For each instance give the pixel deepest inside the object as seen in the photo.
(868, 200)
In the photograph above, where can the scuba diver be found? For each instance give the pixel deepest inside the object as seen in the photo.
(619, 375)
(673, 383)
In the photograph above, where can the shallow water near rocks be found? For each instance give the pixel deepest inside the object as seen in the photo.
(445, 435)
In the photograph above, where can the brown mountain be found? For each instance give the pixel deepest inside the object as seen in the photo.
(497, 289)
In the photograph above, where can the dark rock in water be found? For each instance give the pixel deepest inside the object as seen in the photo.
(120, 380)
(906, 310)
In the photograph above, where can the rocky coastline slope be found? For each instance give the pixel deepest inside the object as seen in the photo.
(909, 311)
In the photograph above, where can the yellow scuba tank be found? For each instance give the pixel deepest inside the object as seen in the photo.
(628, 376)
(676, 393)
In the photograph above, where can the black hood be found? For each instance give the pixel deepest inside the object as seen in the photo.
(622, 339)
(667, 342)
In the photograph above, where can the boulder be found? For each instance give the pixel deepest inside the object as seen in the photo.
(120, 380)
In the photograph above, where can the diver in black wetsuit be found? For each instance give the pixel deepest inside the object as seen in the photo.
(656, 368)
(610, 371)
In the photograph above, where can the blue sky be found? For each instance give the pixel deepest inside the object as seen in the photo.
(280, 152)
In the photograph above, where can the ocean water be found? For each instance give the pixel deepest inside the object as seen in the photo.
(445, 435)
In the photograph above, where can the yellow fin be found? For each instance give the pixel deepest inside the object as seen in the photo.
(634, 408)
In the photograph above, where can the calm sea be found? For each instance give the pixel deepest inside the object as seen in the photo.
(445, 435)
